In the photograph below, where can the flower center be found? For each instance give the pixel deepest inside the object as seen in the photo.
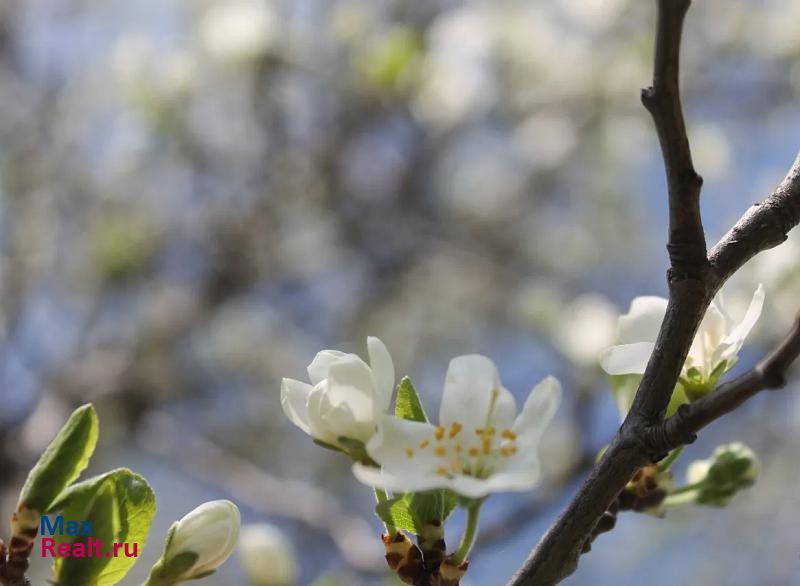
(470, 451)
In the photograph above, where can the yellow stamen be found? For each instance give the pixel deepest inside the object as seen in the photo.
(409, 453)
(508, 434)
(474, 452)
(424, 444)
(455, 429)
(443, 472)
(439, 434)
(440, 451)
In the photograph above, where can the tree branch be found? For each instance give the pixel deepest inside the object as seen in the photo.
(686, 244)
(694, 278)
(764, 226)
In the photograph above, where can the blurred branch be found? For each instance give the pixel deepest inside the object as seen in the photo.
(693, 281)
(355, 538)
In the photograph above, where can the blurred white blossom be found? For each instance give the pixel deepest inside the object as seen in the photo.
(240, 30)
(458, 74)
(267, 556)
(711, 150)
(588, 326)
(142, 69)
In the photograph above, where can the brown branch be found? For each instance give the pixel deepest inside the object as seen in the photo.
(693, 279)
(770, 373)
(686, 244)
(764, 226)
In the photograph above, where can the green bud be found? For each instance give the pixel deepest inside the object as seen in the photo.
(731, 468)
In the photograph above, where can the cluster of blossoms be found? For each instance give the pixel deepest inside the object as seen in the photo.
(480, 445)
(714, 352)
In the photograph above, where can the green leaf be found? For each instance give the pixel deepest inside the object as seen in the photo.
(432, 505)
(408, 404)
(396, 511)
(63, 460)
(86, 568)
(413, 510)
(125, 518)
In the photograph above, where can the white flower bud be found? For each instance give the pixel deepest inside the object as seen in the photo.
(210, 531)
(267, 556)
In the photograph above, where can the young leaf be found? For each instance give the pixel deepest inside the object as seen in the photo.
(413, 510)
(432, 506)
(408, 404)
(126, 521)
(88, 559)
(63, 460)
(397, 512)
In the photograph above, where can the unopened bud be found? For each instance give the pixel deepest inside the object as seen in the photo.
(730, 469)
(198, 544)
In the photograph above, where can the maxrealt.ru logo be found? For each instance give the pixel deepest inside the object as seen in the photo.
(85, 545)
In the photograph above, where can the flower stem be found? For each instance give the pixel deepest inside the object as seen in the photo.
(382, 497)
(665, 464)
(687, 488)
(470, 533)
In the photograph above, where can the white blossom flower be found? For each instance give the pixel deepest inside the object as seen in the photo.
(345, 396)
(713, 352)
(267, 556)
(480, 446)
(240, 30)
(587, 329)
(210, 532)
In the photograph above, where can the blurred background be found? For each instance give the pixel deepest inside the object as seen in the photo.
(196, 196)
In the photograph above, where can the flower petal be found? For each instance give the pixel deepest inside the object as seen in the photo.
(381, 478)
(470, 487)
(341, 422)
(350, 381)
(396, 447)
(317, 424)
(383, 370)
(737, 337)
(294, 400)
(516, 481)
(471, 386)
(627, 358)
(643, 320)
(536, 414)
(318, 369)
